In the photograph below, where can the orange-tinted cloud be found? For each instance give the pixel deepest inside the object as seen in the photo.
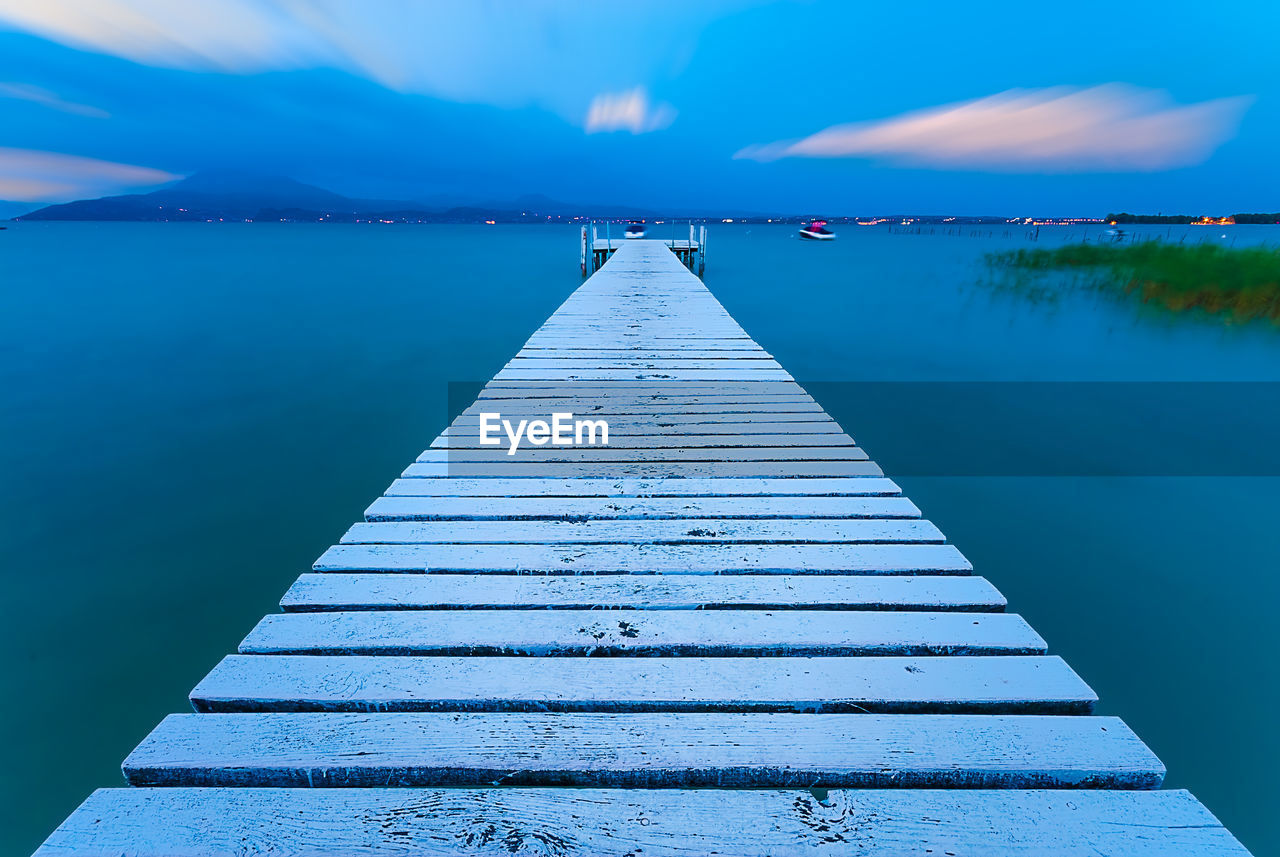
(1111, 128)
(29, 175)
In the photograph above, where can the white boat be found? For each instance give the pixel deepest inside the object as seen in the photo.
(817, 231)
(635, 229)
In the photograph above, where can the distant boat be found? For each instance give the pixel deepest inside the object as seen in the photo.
(817, 231)
(635, 229)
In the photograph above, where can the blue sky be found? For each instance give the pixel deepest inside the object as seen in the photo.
(834, 107)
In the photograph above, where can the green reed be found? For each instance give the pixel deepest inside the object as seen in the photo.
(1241, 284)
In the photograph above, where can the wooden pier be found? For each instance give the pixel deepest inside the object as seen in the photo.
(725, 632)
(599, 241)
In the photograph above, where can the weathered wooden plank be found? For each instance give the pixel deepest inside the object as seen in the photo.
(606, 356)
(750, 346)
(652, 447)
(650, 392)
(714, 390)
(667, 407)
(567, 340)
(655, 314)
(650, 322)
(373, 591)
(643, 751)
(669, 353)
(676, 314)
(676, 443)
(614, 341)
(637, 333)
(647, 407)
(1032, 684)
(649, 559)
(468, 424)
(591, 508)
(775, 378)
(626, 424)
(632, 350)
(605, 310)
(662, 633)
(662, 426)
(761, 374)
(672, 399)
(861, 486)
(650, 532)
(670, 360)
(638, 329)
(645, 469)
(611, 454)
(499, 822)
(677, 299)
(660, 414)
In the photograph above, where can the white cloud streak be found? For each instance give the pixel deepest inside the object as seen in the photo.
(508, 53)
(627, 111)
(231, 35)
(27, 175)
(45, 98)
(1111, 128)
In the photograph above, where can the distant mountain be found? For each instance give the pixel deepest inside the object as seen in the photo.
(247, 189)
(223, 195)
(205, 196)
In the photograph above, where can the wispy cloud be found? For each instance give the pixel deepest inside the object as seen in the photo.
(27, 175)
(485, 51)
(236, 35)
(628, 111)
(1111, 128)
(39, 95)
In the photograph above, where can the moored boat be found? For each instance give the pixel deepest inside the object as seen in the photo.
(817, 230)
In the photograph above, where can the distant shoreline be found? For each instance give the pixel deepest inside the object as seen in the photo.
(1241, 219)
(565, 220)
(221, 196)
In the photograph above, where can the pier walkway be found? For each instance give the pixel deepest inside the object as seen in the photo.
(726, 630)
(691, 251)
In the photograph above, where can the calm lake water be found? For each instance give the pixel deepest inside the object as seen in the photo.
(190, 414)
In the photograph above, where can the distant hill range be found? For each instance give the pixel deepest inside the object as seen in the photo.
(241, 196)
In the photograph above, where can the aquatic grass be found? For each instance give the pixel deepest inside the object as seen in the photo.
(1239, 284)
